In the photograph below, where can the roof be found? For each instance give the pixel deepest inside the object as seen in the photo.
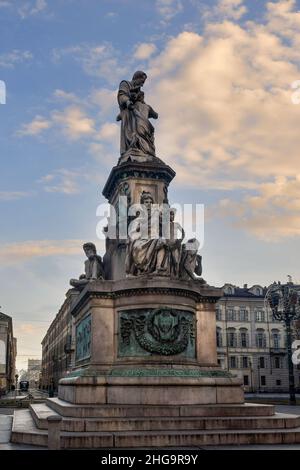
(4, 317)
(245, 292)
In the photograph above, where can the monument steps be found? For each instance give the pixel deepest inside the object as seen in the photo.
(25, 431)
(40, 412)
(67, 409)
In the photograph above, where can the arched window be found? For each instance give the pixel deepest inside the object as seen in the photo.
(219, 338)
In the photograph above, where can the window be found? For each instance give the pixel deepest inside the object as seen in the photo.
(259, 316)
(231, 338)
(277, 362)
(231, 314)
(246, 380)
(219, 338)
(218, 314)
(276, 339)
(278, 382)
(261, 363)
(243, 314)
(244, 339)
(245, 362)
(263, 380)
(229, 290)
(261, 339)
(233, 362)
(258, 291)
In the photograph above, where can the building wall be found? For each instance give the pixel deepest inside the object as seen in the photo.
(58, 347)
(8, 352)
(34, 372)
(250, 343)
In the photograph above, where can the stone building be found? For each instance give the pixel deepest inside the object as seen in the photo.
(58, 347)
(34, 372)
(8, 352)
(250, 343)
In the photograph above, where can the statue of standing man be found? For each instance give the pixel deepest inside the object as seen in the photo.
(137, 132)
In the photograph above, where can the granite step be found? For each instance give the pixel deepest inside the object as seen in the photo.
(25, 431)
(65, 408)
(40, 412)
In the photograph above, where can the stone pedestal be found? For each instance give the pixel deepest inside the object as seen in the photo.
(147, 341)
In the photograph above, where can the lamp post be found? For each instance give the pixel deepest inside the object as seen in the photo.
(16, 385)
(284, 301)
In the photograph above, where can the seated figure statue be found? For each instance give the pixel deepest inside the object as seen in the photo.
(191, 262)
(93, 267)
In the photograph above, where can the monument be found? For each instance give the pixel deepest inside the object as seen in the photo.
(146, 371)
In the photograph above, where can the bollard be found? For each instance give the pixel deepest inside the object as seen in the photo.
(54, 422)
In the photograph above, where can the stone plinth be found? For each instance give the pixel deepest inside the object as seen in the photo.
(150, 342)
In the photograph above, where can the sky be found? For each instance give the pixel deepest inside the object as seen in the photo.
(224, 76)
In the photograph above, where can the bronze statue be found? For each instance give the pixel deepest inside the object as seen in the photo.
(93, 267)
(145, 255)
(137, 132)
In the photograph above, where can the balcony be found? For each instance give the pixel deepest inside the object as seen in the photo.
(281, 351)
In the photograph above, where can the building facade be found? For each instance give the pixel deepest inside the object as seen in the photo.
(8, 353)
(34, 372)
(250, 343)
(58, 347)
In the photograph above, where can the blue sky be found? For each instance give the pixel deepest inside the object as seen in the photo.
(220, 76)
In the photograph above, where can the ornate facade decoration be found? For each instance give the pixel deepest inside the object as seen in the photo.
(83, 339)
(161, 331)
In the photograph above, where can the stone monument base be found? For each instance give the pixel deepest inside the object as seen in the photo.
(123, 395)
(156, 387)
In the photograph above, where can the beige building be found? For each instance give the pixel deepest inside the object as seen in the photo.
(250, 343)
(58, 347)
(8, 353)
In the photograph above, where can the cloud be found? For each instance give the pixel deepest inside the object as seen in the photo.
(73, 122)
(109, 132)
(227, 121)
(167, 9)
(66, 96)
(11, 59)
(104, 99)
(100, 60)
(13, 195)
(35, 127)
(30, 8)
(144, 51)
(62, 181)
(227, 9)
(271, 213)
(25, 8)
(14, 253)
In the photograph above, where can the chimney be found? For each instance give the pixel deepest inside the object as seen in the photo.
(245, 286)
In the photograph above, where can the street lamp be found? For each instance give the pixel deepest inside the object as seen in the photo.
(16, 384)
(284, 301)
